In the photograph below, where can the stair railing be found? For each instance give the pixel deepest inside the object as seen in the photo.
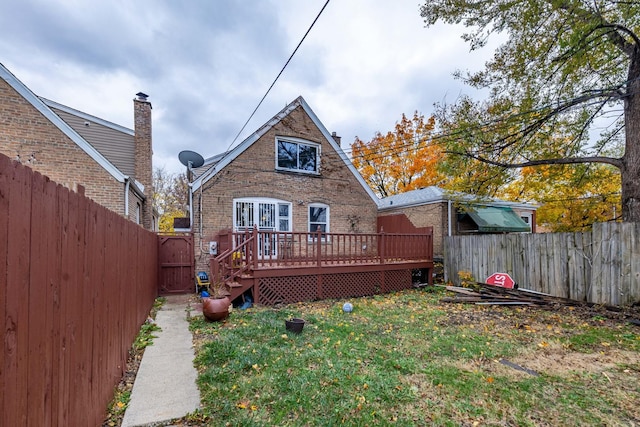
(235, 261)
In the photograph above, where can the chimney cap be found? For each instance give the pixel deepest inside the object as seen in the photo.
(142, 96)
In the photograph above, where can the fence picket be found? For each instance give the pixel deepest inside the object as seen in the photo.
(5, 186)
(36, 297)
(17, 289)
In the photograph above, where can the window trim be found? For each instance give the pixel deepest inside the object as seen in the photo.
(298, 142)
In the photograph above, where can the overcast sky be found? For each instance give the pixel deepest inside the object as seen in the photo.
(205, 64)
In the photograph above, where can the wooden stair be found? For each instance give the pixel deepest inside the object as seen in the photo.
(239, 286)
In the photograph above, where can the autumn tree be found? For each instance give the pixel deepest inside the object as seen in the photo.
(571, 197)
(399, 161)
(569, 71)
(170, 197)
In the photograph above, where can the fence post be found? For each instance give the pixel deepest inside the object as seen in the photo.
(381, 243)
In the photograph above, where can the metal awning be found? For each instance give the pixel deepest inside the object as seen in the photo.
(497, 219)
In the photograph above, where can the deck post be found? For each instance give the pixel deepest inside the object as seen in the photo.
(381, 243)
(214, 268)
(318, 236)
(254, 248)
(319, 247)
(256, 291)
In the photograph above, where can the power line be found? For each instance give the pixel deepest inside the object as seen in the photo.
(279, 74)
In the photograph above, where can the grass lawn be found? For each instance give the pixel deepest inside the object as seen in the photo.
(406, 359)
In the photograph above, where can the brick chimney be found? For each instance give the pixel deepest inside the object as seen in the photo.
(336, 138)
(143, 154)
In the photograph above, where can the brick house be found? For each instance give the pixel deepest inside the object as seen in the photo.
(73, 148)
(290, 175)
(453, 214)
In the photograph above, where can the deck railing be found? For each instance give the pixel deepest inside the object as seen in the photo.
(254, 249)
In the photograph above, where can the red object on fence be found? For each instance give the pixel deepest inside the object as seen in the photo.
(501, 279)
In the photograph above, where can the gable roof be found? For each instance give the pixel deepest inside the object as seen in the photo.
(218, 164)
(64, 127)
(435, 194)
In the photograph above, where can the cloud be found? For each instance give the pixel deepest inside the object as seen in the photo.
(206, 64)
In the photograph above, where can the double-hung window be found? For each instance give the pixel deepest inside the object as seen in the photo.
(318, 219)
(297, 155)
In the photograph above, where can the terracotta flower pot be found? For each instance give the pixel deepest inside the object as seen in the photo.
(215, 309)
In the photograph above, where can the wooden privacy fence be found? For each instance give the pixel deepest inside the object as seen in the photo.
(76, 283)
(601, 266)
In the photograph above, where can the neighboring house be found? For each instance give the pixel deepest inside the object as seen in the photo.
(453, 214)
(290, 175)
(73, 148)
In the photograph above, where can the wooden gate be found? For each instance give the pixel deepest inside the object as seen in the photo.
(176, 264)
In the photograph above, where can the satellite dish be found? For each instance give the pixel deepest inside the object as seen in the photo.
(191, 159)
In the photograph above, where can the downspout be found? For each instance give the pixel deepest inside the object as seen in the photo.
(202, 250)
(200, 213)
(191, 205)
(127, 183)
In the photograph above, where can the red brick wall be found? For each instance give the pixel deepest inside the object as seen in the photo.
(25, 132)
(253, 174)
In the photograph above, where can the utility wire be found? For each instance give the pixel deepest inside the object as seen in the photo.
(278, 76)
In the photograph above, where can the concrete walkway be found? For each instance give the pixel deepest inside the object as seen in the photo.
(165, 386)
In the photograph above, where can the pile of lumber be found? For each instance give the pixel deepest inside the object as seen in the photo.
(486, 294)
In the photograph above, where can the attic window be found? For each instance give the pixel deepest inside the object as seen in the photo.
(299, 156)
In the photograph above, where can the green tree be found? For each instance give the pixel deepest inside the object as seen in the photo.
(170, 197)
(402, 160)
(564, 87)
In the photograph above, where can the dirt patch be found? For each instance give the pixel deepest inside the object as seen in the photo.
(543, 330)
(558, 362)
(115, 413)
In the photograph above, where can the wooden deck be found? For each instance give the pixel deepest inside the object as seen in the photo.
(291, 267)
